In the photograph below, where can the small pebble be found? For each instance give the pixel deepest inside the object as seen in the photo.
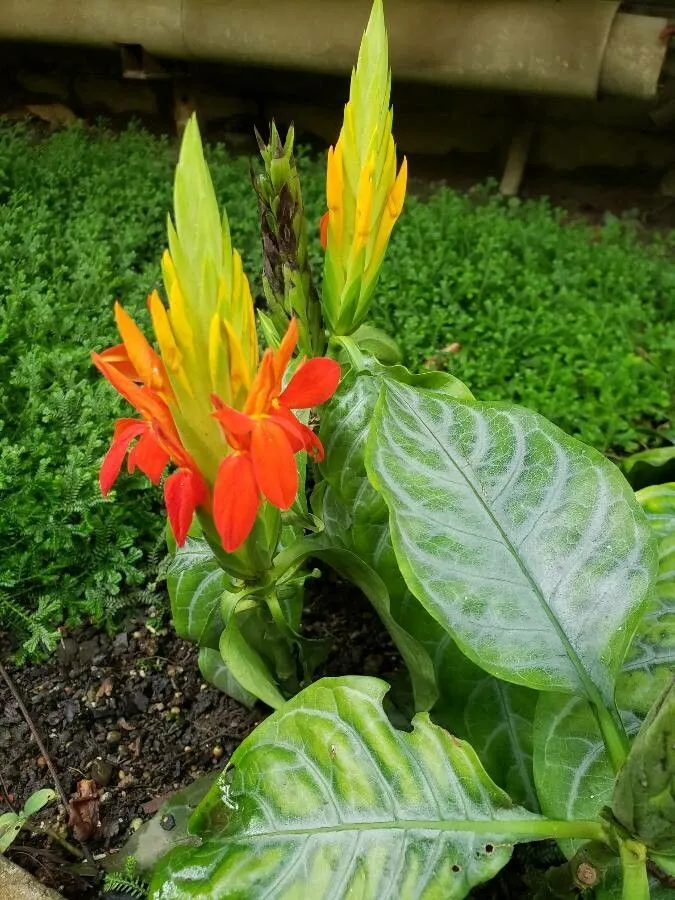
(113, 738)
(217, 751)
(174, 711)
(187, 749)
(41, 762)
(101, 771)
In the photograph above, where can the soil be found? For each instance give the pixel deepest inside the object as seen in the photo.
(131, 713)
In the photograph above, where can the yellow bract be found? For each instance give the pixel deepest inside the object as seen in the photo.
(207, 335)
(363, 192)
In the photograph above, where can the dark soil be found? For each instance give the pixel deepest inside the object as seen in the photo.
(131, 713)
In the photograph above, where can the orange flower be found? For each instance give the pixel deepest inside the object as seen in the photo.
(137, 373)
(265, 435)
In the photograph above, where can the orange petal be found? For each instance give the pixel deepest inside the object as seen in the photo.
(274, 463)
(235, 500)
(323, 229)
(117, 356)
(231, 420)
(301, 437)
(149, 456)
(262, 389)
(125, 431)
(184, 491)
(313, 383)
(283, 355)
(144, 359)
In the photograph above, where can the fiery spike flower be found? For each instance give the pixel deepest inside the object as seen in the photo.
(363, 192)
(209, 360)
(264, 437)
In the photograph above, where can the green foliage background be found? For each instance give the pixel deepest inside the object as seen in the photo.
(572, 321)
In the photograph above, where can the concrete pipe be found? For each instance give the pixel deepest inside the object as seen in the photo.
(574, 48)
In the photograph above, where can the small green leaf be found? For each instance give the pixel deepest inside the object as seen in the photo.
(244, 662)
(196, 584)
(328, 800)
(10, 825)
(527, 546)
(215, 671)
(38, 800)
(377, 343)
(644, 794)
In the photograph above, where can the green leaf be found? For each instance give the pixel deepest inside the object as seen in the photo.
(378, 343)
(355, 518)
(196, 584)
(651, 657)
(215, 671)
(10, 825)
(527, 546)
(327, 800)
(649, 466)
(499, 725)
(38, 800)
(154, 838)
(644, 793)
(572, 771)
(243, 661)
(496, 718)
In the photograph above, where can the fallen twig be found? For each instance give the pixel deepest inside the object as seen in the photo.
(43, 750)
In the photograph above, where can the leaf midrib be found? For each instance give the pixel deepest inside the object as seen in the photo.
(592, 690)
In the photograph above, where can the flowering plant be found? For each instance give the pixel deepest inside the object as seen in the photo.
(527, 588)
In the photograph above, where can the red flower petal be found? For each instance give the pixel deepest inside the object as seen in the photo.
(274, 463)
(235, 500)
(149, 457)
(125, 431)
(231, 419)
(184, 491)
(313, 383)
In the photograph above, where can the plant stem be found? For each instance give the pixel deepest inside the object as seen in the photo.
(634, 869)
(54, 836)
(613, 734)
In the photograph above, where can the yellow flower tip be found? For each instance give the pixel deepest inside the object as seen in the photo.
(165, 337)
(396, 196)
(334, 178)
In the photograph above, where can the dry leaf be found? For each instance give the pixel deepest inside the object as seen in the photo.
(83, 813)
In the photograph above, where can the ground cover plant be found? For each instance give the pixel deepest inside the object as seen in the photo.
(570, 321)
(524, 583)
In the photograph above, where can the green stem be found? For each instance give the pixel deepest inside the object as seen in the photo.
(613, 734)
(634, 869)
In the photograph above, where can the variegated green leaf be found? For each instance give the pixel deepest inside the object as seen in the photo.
(572, 771)
(196, 583)
(326, 799)
(355, 519)
(495, 717)
(527, 546)
(651, 658)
